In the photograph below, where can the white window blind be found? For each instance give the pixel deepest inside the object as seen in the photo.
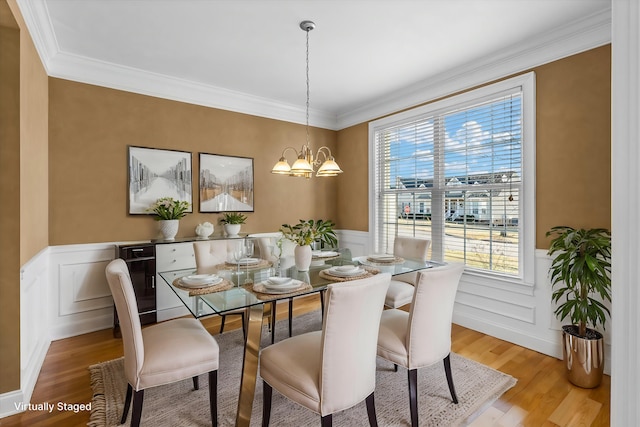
(453, 173)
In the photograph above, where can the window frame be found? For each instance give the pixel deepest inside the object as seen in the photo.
(527, 199)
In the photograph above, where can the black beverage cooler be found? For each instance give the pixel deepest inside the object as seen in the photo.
(141, 261)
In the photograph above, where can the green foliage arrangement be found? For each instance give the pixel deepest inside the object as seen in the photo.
(309, 231)
(233, 218)
(581, 269)
(169, 208)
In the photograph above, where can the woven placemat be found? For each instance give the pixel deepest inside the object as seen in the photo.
(218, 287)
(259, 291)
(263, 263)
(369, 271)
(396, 260)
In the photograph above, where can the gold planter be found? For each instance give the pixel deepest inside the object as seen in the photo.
(584, 357)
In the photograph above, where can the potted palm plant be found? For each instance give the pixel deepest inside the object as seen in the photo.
(580, 271)
(232, 222)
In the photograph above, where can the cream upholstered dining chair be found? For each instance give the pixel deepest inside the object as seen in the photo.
(266, 242)
(209, 254)
(161, 354)
(334, 369)
(401, 288)
(422, 336)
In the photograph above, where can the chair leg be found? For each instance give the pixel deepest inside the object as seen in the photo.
(196, 383)
(326, 421)
(290, 317)
(273, 322)
(395, 367)
(322, 303)
(138, 398)
(267, 392)
(371, 411)
(127, 403)
(413, 396)
(224, 317)
(447, 371)
(213, 397)
(244, 326)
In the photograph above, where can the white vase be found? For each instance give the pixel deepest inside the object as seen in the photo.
(302, 255)
(204, 230)
(232, 230)
(169, 228)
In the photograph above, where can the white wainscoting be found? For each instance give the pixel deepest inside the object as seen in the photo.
(64, 293)
(34, 331)
(80, 300)
(520, 314)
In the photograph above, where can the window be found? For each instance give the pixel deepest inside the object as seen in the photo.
(460, 172)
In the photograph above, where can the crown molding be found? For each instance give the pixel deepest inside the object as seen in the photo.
(87, 70)
(581, 35)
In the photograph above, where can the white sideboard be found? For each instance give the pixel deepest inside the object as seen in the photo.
(171, 256)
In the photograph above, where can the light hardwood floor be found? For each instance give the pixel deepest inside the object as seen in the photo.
(542, 396)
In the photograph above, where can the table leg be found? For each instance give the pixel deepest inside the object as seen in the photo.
(250, 365)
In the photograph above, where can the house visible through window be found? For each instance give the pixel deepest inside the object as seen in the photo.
(455, 172)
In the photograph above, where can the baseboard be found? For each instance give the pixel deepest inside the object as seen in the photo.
(11, 403)
(82, 326)
(515, 336)
(14, 402)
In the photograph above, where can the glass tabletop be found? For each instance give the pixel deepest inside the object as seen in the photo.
(241, 295)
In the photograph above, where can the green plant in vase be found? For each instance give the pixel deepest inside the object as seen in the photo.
(580, 271)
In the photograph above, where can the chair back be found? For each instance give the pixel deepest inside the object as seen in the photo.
(209, 254)
(429, 334)
(349, 341)
(125, 299)
(411, 248)
(266, 242)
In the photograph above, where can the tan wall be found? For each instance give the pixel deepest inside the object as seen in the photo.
(10, 196)
(91, 127)
(353, 183)
(573, 149)
(573, 173)
(23, 176)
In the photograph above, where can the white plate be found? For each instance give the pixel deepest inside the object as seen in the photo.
(195, 279)
(382, 257)
(185, 282)
(324, 254)
(347, 268)
(281, 289)
(279, 281)
(246, 261)
(338, 273)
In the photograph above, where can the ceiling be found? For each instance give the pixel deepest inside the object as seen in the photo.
(366, 56)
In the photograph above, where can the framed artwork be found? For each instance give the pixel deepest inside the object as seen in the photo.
(226, 183)
(155, 173)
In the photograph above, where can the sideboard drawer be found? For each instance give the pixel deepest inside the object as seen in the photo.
(175, 256)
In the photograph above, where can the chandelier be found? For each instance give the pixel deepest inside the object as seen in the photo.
(306, 162)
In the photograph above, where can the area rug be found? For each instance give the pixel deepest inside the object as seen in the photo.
(477, 387)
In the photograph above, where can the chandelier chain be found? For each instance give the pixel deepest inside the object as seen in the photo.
(308, 91)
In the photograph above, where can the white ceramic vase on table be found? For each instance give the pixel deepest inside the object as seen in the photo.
(302, 255)
(169, 228)
(232, 230)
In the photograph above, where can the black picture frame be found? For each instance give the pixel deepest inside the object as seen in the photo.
(155, 173)
(225, 183)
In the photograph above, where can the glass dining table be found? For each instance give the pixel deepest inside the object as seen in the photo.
(240, 294)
